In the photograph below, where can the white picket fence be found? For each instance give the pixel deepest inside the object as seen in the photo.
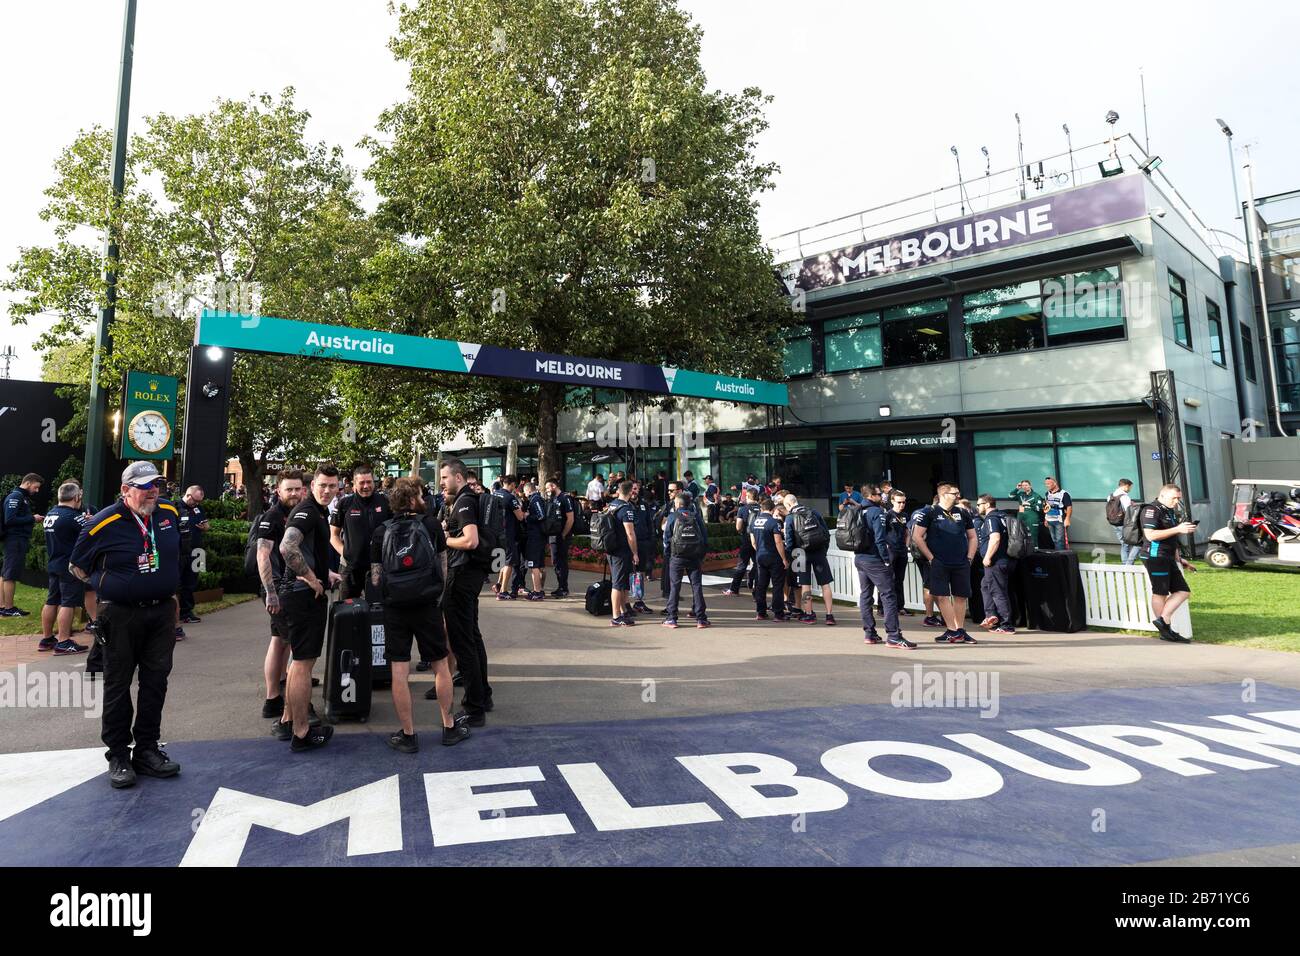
(1116, 595)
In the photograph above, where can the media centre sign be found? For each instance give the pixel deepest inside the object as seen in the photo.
(286, 337)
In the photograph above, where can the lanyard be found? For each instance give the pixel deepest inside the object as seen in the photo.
(146, 532)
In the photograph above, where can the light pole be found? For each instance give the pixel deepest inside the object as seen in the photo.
(92, 479)
(1232, 165)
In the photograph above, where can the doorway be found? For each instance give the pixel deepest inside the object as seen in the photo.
(918, 472)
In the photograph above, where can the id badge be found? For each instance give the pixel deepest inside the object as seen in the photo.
(143, 563)
(153, 560)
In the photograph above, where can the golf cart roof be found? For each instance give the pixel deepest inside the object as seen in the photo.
(1264, 481)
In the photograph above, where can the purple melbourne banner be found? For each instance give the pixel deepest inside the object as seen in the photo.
(1099, 204)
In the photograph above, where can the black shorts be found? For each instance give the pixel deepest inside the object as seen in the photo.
(279, 625)
(923, 567)
(423, 623)
(620, 571)
(64, 591)
(945, 580)
(305, 614)
(815, 565)
(645, 552)
(1166, 576)
(15, 556)
(534, 552)
(511, 552)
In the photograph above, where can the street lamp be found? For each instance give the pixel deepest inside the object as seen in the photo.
(1232, 165)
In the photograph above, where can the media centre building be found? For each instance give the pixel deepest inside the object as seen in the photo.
(1091, 334)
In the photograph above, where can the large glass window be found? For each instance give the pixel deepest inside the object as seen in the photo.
(857, 461)
(1088, 460)
(488, 467)
(1178, 304)
(1215, 323)
(1084, 307)
(736, 462)
(798, 351)
(1286, 353)
(917, 332)
(1004, 319)
(799, 468)
(853, 342)
(999, 470)
(1248, 352)
(1199, 487)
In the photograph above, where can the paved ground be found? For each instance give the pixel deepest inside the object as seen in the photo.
(631, 702)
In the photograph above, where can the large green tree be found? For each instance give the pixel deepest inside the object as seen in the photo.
(225, 201)
(566, 181)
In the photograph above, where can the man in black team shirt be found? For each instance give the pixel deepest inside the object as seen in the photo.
(353, 523)
(270, 570)
(466, 571)
(305, 549)
(1161, 526)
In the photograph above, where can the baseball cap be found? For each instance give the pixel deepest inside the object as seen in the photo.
(140, 474)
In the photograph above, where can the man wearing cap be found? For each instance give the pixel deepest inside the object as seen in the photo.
(130, 554)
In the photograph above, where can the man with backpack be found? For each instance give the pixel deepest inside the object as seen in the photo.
(1117, 506)
(512, 557)
(686, 540)
(745, 564)
(992, 539)
(614, 532)
(770, 560)
(661, 516)
(807, 539)
(643, 519)
(945, 536)
(474, 530)
(863, 531)
(558, 527)
(534, 541)
(408, 575)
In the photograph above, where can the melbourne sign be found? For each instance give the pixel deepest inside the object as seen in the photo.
(285, 337)
(1099, 204)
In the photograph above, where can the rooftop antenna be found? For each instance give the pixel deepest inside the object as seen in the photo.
(988, 183)
(1020, 154)
(6, 357)
(961, 189)
(1069, 148)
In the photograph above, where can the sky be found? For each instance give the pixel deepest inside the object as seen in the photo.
(868, 96)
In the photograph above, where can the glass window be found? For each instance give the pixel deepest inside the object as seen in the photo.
(798, 466)
(852, 342)
(999, 470)
(1178, 303)
(1081, 433)
(1000, 293)
(1198, 486)
(699, 464)
(1084, 307)
(1014, 436)
(1092, 471)
(1005, 327)
(798, 351)
(736, 462)
(857, 462)
(1286, 354)
(1248, 352)
(917, 332)
(1216, 333)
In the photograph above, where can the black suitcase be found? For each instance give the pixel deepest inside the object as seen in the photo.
(1053, 591)
(381, 672)
(598, 595)
(348, 660)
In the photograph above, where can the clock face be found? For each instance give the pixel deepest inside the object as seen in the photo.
(149, 432)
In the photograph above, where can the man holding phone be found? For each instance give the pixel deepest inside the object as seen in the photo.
(1161, 526)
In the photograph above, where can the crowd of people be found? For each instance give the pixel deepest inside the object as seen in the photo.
(426, 553)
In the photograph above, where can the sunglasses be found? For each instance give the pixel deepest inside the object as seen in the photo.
(158, 483)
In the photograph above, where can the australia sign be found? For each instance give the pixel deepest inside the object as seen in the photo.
(285, 337)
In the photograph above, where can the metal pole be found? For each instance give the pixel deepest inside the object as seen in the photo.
(1258, 257)
(1146, 133)
(1236, 196)
(93, 474)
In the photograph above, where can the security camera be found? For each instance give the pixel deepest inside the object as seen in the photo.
(1112, 117)
(210, 390)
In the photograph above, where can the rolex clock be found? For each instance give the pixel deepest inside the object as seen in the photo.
(149, 432)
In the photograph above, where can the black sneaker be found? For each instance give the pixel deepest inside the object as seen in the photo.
(901, 642)
(120, 773)
(830, 619)
(153, 762)
(9, 612)
(761, 616)
(945, 637)
(872, 638)
(69, 647)
(1162, 627)
(191, 619)
(933, 621)
(559, 593)
(47, 643)
(405, 743)
(316, 737)
(431, 693)
(282, 730)
(961, 637)
(274, 707)
(457, 680)
(424, 666)
(640, 608)
(1175, 637)
(454, 735)
(19, 612)
(465, 718)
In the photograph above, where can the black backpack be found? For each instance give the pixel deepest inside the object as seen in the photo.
(1132, 533)
(1018, 543)
(250, 548)
(809, 532)
(606, 531)
(687, 540)
(408, 565)
(491, 523)
(552, 516)
(1114, 511)
(850, 530)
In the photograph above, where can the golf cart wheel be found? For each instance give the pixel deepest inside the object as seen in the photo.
(1220, 558)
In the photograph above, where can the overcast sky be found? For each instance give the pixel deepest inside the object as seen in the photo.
(869, 96)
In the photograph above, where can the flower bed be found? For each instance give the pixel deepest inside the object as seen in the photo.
(589, 559)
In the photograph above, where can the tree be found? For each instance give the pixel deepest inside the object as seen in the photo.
(232, 199)
(569, 184)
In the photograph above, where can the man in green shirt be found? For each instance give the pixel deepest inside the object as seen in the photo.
(1031, 508)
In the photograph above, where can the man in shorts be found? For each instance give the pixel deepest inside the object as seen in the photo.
(809, 560)
(1161, 526)
(945, 536)
(270, 571)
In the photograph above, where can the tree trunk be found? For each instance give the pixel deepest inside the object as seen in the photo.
(253, 469)
(548, 414)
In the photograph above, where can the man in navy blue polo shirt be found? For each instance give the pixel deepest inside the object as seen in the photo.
(130, 554)
(992, 537)
(643, 520)
(18, 519)
(767, 538)
(945, 536)
(534, 549)
(62, 528)
(624, 557)
(686, 541)
(745, 558)
(874, 564)
(559, 542)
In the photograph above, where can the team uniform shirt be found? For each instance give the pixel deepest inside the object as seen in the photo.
(744, 514)
(566, 508)
(1159, 518)
(18, 517)
(534, 515)
(854, 496)
(509, 505)
(668, 532)
(994, 522)
(312, 520)
(1057, 502)
(1033, 513)
(359, 517)
(62, 528)
(131, 560)
(624, 513)
(945, 534)
(765, 528)
(437, 537)
(270, 527)
(462, 513)
(876, 523)
(642, 518)
(896, 528)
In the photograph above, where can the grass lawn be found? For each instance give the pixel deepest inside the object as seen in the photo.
(32, 599)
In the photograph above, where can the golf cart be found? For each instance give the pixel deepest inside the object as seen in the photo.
(1264, 526)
